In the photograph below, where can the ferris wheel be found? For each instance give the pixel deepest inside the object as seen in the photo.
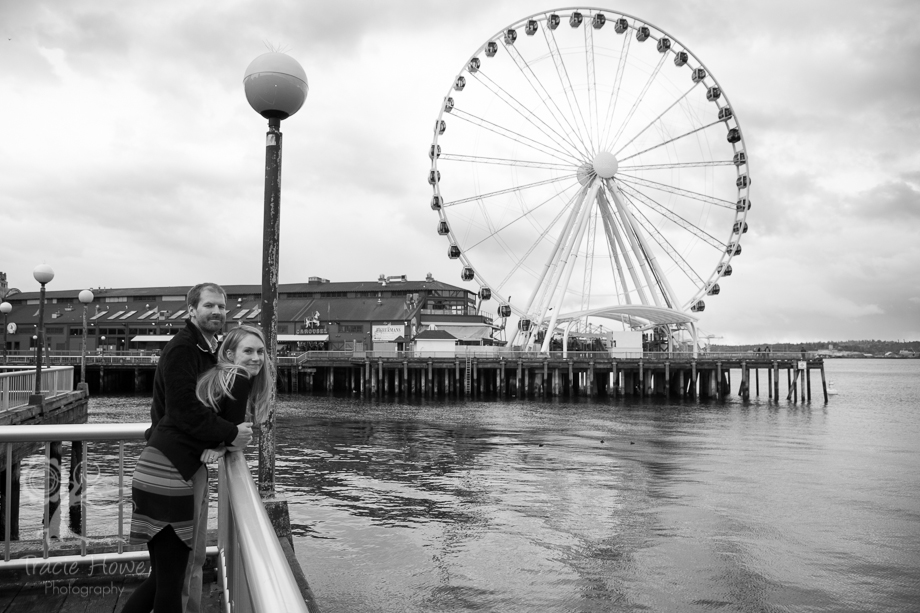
(586, 164)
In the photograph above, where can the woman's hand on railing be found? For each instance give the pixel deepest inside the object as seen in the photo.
(243, 436)
(212, 455)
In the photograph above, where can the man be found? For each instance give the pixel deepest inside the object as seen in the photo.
(191, 352)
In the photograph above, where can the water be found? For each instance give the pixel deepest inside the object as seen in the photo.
(607, 506)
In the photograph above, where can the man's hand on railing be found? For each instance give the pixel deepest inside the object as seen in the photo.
(212, 455)
(243, 436)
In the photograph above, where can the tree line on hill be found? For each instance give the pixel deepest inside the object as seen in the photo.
(874, 347)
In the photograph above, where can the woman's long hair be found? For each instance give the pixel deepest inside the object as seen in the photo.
(216, 383)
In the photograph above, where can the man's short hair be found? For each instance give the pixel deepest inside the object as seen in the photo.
(194, 294)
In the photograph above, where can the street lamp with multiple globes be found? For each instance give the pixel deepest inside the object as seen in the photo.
(5, 308)
(85, 297)
(276, 87)
(43, 274)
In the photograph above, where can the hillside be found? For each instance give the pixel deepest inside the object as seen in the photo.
(873, 347)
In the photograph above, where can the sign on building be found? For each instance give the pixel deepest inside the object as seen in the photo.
(384, 334)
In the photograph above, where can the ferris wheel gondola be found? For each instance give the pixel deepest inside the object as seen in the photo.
(594, 165)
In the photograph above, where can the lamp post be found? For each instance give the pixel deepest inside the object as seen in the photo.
(5, 308)
(43, 274)
(85, 297)
(276, 87)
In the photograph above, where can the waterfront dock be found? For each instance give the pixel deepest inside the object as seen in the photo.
(505, 374)
(535, 375)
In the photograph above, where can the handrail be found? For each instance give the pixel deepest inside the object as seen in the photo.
(503, 354)
(17, 385)
(248, 537)
(263, 582)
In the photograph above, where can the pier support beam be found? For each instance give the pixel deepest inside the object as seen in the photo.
(9, 479)
(52, 519)
(823, 383)
(75, 487)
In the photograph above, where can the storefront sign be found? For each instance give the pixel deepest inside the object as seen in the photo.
(387, 333)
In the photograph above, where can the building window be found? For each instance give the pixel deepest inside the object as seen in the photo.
(351, 329)
(116, 299)
(172, 298)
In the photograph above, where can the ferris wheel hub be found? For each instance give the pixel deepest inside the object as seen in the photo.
(605, 164)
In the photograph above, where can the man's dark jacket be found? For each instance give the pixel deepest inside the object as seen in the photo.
(181, 426)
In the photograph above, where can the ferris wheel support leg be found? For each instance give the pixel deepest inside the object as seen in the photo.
(694, 334)
(565, 340)
(569, 265)
(621, 244)
(550, 265)
(632, 234)
(617, 268)
(665, 286)
(560, 253)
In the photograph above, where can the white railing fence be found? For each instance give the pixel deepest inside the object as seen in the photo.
(259, 578)
(17, 385)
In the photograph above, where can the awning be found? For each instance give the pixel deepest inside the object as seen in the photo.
(302, 338)
(468, 333)
(152, 338)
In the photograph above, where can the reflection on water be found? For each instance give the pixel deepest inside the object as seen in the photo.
(620, 506)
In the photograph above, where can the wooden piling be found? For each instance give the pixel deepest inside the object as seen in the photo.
(823, 383)
(75, 487)
(807, 384)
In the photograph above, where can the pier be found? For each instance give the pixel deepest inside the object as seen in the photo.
(505, 374)
(534, 375)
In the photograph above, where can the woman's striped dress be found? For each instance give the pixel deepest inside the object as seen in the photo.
(161, 498)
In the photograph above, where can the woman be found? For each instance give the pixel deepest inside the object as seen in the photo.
(162, 488)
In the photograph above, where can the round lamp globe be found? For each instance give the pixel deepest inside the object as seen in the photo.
(276, 85)
(43, 273)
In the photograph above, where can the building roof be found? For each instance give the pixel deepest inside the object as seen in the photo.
(435, 335)
(152, 293)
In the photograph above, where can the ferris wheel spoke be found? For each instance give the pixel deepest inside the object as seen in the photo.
(543, 95)
(632, 179)
(672, 216)
(509, 190)
(617, 81)
(495, 231)
(671, 140)
(638, 101)
(524, 112)
(566, 82)
(477, 159)
(592, 80)
(542, 237)
(677, 165)
(654, 121)
(665, 245)
(561, 155)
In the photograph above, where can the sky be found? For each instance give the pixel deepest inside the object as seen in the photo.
(130, 157)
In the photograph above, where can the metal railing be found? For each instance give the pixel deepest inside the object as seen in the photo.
(17, 384)
(253, 571)
(255, 575)
(462, 351)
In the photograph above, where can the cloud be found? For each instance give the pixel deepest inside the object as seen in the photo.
(138, 162)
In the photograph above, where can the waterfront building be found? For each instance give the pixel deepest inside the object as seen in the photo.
(319, 314)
